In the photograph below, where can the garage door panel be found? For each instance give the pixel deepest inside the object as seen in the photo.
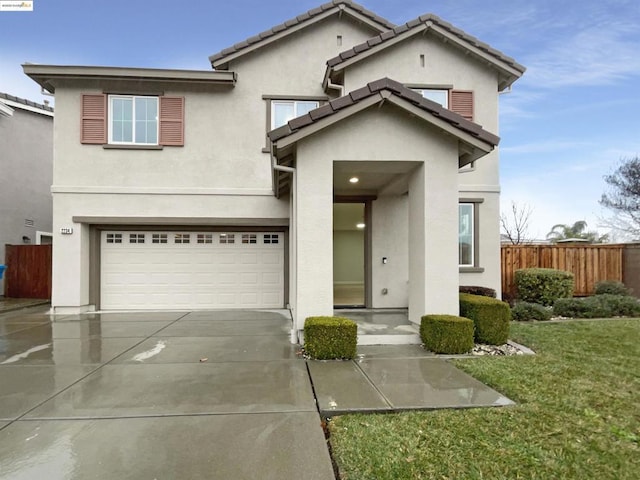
(207, 272)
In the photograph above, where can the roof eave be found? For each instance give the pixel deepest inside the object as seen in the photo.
(46, 75)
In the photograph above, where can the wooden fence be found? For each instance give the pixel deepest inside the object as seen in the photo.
(28, 273)
(588, 263)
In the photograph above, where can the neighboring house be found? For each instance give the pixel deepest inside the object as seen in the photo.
(26, 159)
(235, 188)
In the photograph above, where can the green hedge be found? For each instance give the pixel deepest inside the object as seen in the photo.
(328, 338)
(477, 290)
(543, 285)
(598, 306)
(611, 287)
(490, 317)
(525, 311)
(446, 333)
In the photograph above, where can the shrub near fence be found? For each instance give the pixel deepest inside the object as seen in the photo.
(588, 263)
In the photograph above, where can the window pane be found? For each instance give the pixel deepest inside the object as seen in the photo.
(146, 120)
(465, 233)
(281, 113)
(438, 96)
(305, 107)
(121, 114)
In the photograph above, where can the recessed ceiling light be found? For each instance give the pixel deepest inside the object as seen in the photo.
(354, 179)
(360, 225)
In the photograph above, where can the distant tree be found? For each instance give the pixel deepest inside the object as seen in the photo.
(623, 197)
(515, 224)
(579, 230)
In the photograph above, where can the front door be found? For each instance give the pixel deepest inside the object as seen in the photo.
(349, 240)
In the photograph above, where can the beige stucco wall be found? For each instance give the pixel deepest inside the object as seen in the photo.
(390, 217)
(446, 65)
(385, 134)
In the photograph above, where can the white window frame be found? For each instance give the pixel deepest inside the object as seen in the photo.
(133, 119)
(443, 90)
(470, 233)
(295, 104)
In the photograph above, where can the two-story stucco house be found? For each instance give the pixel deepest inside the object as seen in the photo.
(335, 159)
(26, 159)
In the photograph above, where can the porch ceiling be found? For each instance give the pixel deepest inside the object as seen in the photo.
(374, 178)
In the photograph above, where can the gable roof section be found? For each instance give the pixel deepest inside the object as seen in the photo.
(10, 102)
(381, 90)
(474, 141)
(510, 69)
(220, 60)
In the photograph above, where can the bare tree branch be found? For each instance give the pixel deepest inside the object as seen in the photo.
(515, 224)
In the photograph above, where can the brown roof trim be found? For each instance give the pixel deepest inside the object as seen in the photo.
(26, 102)
(218, 60)
(414, 26)
(395, 89)
(46, 75)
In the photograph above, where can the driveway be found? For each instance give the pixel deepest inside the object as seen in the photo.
(192, 395)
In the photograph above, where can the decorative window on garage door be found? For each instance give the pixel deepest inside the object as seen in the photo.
(136, 238)
(159, 238)
(205, 238)
(114, 238)
(182, 238)
(227, 238)
(249, 238)
(271, 238)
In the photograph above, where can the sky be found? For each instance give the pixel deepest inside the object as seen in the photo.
(565, 124)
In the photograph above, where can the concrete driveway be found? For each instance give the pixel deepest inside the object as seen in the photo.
(192, 395)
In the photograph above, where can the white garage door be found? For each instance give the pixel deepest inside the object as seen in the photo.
(191, 270)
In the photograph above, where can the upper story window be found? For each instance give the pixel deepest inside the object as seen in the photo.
(284, 110)
(437, 95)
(458, 101)
(133, 120)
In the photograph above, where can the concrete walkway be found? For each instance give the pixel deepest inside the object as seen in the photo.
(194, 395)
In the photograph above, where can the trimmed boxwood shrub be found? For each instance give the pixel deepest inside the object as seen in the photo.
(525, 311)
(446, 333)
(543, 285)
(328, 338)
(490, 317)
(476, 290)
(598, 306)
(611, 287)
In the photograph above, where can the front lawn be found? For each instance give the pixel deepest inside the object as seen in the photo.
(578, 415)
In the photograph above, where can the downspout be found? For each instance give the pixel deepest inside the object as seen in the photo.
(293, 336)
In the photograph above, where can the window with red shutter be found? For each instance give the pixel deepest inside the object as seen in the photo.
(93, 123)
(172, 121)
(461, 102)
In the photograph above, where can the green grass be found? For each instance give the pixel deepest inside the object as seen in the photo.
(578, 415)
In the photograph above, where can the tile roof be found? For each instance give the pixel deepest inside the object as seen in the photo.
(309, 15)
(23, 101)
(397, 89)
(396, 31)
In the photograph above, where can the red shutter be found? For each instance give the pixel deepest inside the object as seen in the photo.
(172, 121)
(93, 128)
(461, 102)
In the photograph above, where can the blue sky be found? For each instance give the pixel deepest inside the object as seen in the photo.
(566, 123)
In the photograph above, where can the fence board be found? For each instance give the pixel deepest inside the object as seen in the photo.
(588, 263)
(28, 273)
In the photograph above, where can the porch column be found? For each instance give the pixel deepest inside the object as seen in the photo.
(433, 239)
(313, 230)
